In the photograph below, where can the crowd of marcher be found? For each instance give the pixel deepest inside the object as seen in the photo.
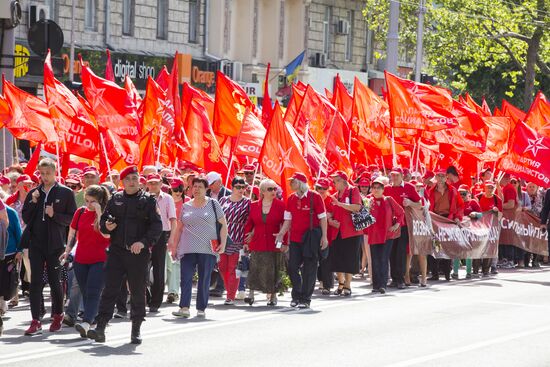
(149, 238)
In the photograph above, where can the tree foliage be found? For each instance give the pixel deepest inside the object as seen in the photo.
(497, 48)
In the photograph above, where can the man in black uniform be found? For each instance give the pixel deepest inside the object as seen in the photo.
(132, 220)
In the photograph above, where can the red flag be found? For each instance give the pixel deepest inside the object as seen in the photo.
(132, 91)
(31, 118)
(298, 92)
(33, 162)
(204, 150)
(497, 138)
(513, 112)
(465, 164)
(267, 109)
(5, 113)
(153, 107)
(538, 116)
(147, 151)
(112, 106)
(341, 99)
(317, 112)
(338, 145)
(163, 78)
(230, 105)
(172, 122)
(77, 131)
(419, 106)
(251, 139)
(482, 110)
(109, 74)
(281, 154)
(485, 108)
(527, 156)
(370, 118)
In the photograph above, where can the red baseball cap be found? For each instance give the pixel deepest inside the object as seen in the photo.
(130, 170)
(343, 175)
(249, 168)
(464, 188)
(299, 176)
(364, 182)
(397, 170)
(142, 180)
(90, 170)
(441, 171)
(73, 179)
(176, 182)
(114, 172)
(4, 180)
(489, 183)
(24, 179)
(154, 178)
(323, 182)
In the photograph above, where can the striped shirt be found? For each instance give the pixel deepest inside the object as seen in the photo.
(199, 228)
(236, 213)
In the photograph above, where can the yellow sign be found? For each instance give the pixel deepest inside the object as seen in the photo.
(21, 61)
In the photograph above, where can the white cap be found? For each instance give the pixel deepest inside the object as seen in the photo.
(212, 177)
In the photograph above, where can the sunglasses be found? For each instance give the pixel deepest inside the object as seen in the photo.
(271, 189)
(463, 194)
(239, 187)
(249, 173)
(321, 188)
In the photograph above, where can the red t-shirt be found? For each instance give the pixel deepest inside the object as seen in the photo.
(509, 192)
(487, 204)
(91, 244)
(297, 210)
(399, 193)
(343, 216)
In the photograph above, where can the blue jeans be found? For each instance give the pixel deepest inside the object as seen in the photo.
(91, 278)
(75, 297)
(380, 255)
(204, 263)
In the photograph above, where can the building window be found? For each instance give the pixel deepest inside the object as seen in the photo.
(349, 36)
(162, 19)
(327, 29)
(128, 14)
(194, 20)
(90, 15)
(51, 4)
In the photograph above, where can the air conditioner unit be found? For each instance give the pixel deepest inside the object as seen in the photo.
(319, 60)
(237, 74)
(226, 67)
(38, 12)
(342, 27)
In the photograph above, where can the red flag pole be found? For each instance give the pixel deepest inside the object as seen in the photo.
(254, 181)
(58, 159)
(394, 159)
(159, 148)
(105, 152)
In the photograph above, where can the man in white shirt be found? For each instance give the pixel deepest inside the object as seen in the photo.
(167, 209)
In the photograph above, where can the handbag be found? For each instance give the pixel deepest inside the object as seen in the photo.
(311, 241)
(363, 218)
(229, 241)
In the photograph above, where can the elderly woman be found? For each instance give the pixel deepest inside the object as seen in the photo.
(236, 208)
(198, 244)
(266, 260)
(302, 208)
(346, 248)
(389, 214)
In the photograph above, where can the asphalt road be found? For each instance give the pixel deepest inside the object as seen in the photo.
(499, 321)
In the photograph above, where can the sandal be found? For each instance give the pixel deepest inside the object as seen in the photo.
(338, 291)
(346, 292)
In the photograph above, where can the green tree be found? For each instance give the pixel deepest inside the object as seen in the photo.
(468, 44)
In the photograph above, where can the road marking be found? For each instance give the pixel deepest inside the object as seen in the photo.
(467, 348)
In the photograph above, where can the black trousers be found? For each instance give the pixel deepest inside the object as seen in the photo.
(398, 257)
(484, 263)
(441, 264)
(122, 298)
(158, 264)
(121, 262)
(324, 273)
(303, 280)
(38, 259)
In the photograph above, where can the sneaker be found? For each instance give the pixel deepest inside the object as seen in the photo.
(375, 290)
(229, 302)
(35, 328)
(240, 295)
(201, 314)
(303, 305)
(120, 315)
(382, 290)
(83, 328)
(454, 276)
(56, 323)
(468, 276)
(494, 270)
(401, 286)
(68, 320)
(392, 285)
(293, 303)
(182, 313)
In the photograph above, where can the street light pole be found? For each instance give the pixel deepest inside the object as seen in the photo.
(419, 41)
(71, 56)
(392, 43)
